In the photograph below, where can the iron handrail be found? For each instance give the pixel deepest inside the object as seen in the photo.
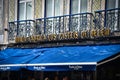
(22, 21)
(107, 10)
(65, 15)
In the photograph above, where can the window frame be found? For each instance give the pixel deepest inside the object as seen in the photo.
(53, 9)
(25, 10)
(50, 18)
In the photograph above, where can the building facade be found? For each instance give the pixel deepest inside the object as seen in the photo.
(1, 21)
(48, 20)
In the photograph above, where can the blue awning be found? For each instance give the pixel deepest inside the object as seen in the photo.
(56, 58)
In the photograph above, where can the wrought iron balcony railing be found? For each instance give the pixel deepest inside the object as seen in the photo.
(108, 19)
(23, 28)
(66, 23)
(104, 24)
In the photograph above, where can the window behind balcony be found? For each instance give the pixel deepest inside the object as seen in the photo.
(78, 6)
(25, 10)
(111, 4)
(53, 8)
(78, 22)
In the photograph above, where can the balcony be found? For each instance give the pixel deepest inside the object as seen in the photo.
(75, 27)
(108, 19)
(23, 28)
(63, 24)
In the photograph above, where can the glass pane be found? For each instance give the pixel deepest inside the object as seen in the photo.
(111, 4)
(22, 11)
(21, 0)
(49, 8)
(57, 8)
(83, 6)
(29, 10)
(74, 6)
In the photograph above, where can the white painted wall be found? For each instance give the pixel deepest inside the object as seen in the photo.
(1, 39)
